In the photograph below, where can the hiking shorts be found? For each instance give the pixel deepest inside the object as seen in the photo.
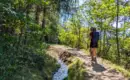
(93, 44)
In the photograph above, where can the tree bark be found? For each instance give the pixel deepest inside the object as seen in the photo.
(117, 39)
(38, 10)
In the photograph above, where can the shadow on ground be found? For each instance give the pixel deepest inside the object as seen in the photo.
(98, 68)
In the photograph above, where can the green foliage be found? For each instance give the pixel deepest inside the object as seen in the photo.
(22, 50)
(74, 35)
(127, 46)
(25, 26)
(25, 61)
(68, 38)
(101, 14)
(76, 71)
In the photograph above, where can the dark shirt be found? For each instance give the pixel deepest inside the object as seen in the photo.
(94, 36)
(94, 39)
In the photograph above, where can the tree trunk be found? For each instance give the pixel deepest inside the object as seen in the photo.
(44, 17)
(37, 14)
(79, 39)
(101, 39)
(104, 42)
(117, 40)
(44, 24)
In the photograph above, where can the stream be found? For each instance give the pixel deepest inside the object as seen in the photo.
(62, 72)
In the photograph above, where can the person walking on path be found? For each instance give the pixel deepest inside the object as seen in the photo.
(94, 37)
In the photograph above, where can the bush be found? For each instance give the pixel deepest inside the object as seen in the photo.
(76, 71)
(28, 62)
(71, 37)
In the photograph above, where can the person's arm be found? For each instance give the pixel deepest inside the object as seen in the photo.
(90, 35)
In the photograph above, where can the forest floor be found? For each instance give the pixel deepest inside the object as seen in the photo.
(103, 70)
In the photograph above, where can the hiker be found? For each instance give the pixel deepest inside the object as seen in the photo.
(94, 37)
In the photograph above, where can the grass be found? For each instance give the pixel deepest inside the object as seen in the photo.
(76, 70)
(125, 72)
(119, 68)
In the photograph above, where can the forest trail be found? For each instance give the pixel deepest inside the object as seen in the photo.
(99, 71)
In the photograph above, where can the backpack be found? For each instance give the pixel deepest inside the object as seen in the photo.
(95, 36)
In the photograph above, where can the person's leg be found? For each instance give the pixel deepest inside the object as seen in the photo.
(92, 54)
(95, 54)
(91, 50)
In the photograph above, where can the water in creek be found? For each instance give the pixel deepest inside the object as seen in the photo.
(62, 72)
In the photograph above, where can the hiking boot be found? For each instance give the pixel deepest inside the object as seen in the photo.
(92, 59)
(95, 59)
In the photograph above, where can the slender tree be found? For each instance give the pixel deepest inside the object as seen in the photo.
(117, 39)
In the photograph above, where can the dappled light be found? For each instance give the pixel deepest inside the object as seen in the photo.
(64, 39)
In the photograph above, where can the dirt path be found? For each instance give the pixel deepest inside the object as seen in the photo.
(98, 71)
